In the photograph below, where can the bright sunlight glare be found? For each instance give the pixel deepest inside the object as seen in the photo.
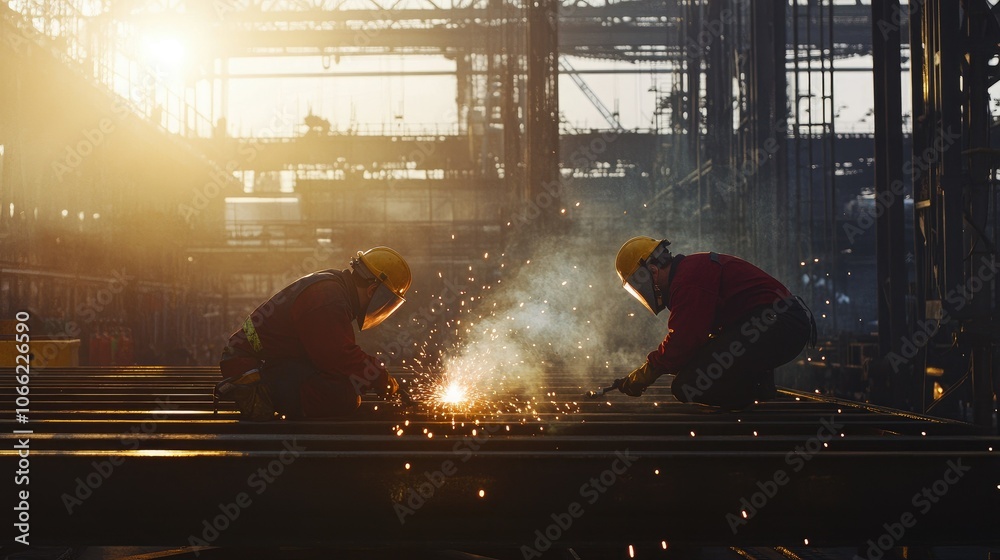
(166, 51)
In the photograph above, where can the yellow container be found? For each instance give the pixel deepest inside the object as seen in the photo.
(43, 353)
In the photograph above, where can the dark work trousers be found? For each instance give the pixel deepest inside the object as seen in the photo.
(728, 370)
(299, 390)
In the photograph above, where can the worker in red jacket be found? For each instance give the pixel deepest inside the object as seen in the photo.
(730, 324)
(296, 354)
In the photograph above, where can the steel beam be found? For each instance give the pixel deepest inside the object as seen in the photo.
(954, 183)
(851, 21)
(169, 464)
(892, 281)
(542, 111)
(982, 162)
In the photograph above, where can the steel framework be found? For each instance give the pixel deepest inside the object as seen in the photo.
(954, 181)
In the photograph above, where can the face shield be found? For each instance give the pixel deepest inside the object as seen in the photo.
(383, 303)
(643, 288)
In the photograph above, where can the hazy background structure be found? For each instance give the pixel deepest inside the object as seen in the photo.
(165, 165)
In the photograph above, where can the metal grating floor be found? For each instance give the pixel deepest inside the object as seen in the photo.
(135, 456)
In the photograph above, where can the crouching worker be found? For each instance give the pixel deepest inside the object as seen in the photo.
(730, 324)
(296, 354)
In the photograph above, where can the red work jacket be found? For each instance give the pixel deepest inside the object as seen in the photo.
(309, 320)
(707, 295)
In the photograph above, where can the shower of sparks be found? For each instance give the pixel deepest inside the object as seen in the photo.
(491, 338)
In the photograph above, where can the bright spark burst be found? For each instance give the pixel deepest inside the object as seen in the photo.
(453, 393)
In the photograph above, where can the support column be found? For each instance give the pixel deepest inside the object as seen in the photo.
(892, 284)
(543, 101)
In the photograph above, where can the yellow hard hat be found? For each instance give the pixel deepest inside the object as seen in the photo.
(387, 268)
(633, 253)
(636, 279)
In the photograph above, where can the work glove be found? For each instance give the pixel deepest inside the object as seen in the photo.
(385, 385)
(636, 383)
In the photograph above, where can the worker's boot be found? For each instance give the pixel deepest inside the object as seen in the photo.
(764, 390)
(252, 398)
